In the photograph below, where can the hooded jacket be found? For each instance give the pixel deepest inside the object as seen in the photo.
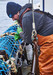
(43, 23)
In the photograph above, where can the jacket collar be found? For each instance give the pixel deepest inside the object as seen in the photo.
(29, 5)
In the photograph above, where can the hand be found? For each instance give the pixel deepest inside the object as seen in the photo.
(16, 37)
(19, 30)
(29, 52)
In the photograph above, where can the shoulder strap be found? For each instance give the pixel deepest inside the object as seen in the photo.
(46, 13)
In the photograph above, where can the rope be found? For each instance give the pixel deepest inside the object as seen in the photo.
(12, 50)
(34, 33)
(17, 51)
(11, 54)
(34, 39)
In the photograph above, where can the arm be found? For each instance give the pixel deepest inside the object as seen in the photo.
(19, 34)
(27, 29)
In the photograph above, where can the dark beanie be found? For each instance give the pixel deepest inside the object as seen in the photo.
(12, 9)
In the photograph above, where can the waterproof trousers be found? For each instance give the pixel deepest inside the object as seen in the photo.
(46, 54)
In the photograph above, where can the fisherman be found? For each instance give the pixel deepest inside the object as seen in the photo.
(44, 28)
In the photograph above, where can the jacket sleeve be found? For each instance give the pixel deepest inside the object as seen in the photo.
(22, 35)
(27, 29)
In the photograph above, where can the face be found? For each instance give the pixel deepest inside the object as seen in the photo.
(15, 17)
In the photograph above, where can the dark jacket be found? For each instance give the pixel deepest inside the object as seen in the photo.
(43, 23)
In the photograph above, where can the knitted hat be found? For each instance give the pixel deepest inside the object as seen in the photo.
(12, 9)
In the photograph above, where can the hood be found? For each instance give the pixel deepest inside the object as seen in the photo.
(29, 5)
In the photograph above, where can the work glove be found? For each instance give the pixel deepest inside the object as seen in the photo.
(19, 30)
(29, 52)
(16, 37)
